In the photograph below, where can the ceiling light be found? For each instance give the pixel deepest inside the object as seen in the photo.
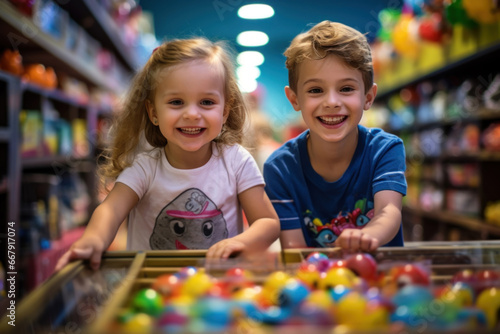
(247, 85)
(250, 58)
(252, 38)
(255, 11)
(251, 72)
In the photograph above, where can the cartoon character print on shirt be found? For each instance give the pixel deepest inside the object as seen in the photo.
(190, 221)
(326, 233)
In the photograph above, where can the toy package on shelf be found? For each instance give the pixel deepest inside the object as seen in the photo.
(465, 174)
(31, 133)
(431, 197)
(75, 201)
(81, 144)
(463, 139)
(463, 201)
(491, 137)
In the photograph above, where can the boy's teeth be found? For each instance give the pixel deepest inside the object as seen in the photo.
(332, 119)
(191, 131)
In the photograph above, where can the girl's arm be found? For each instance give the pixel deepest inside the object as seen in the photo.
(292, 239)
(264, 226)
(102, 227)
(380, 229)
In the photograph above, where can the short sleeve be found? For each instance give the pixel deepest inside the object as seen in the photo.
(390, 168)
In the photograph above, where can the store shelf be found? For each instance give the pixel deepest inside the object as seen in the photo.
(455, 219)
(478, 60)
(53, 94)
(104, 29)
(36, 46)
(4, 134)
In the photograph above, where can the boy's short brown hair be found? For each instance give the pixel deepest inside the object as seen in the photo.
(330, 38)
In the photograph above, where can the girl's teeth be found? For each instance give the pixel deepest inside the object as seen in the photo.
(332, 120)
(191, 131)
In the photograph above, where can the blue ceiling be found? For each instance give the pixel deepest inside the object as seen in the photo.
(218, 20)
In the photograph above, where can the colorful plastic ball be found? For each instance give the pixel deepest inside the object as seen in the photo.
(309, 274)
(353, 312)
(139, 323)
(413, 296)
(489, 302)
(410, 274)
(319, 259)
(321, 299)
(215, 313)
(186, 272)
(292, 293)
(236, 279)
(148, 301)
(459, 293)
(337, 276)
(363, 265)
(338, 292)
(487, 278)
(197, 284)
(466, 276)
(167, 285)
(272, 285)
(174, 318)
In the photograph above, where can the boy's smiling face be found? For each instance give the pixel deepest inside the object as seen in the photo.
(332, 98)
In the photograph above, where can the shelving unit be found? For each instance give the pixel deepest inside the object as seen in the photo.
(442, 223)
(20, 32)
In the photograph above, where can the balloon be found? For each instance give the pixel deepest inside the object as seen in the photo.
(404, 36)
(483, 11)
(455, 14)
(388, 19)
(430, 28)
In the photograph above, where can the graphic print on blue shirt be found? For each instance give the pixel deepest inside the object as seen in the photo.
(190, 221)
(326, 233)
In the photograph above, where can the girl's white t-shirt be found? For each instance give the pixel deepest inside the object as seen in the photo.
(188, 208)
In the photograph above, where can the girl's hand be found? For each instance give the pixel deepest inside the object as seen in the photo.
(87, 247)
(225, 248)
(355, 240)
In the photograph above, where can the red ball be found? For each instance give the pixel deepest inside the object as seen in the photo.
(363, 265)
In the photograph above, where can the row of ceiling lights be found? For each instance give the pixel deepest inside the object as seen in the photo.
(248, 61)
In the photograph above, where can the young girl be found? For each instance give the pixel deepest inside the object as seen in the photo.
(189, 189)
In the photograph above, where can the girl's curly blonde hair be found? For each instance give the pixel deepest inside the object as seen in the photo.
(132, 121)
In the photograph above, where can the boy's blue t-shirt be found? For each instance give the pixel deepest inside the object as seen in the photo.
(303, 199)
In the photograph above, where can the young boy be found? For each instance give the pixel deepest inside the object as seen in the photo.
(338, 183)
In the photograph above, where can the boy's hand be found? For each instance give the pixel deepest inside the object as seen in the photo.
(355, 240)
(223, 249)
(85, 248)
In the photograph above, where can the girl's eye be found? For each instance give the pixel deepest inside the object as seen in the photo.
(314, 90)
(175, 102)
(207, 103)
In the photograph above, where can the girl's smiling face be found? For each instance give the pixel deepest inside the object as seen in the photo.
(189, 107)
(332, 98)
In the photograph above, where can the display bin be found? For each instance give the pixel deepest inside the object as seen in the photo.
(79, 300)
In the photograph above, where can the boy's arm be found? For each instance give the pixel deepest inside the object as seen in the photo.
(380, 229)
(264, 226)
(102, 226)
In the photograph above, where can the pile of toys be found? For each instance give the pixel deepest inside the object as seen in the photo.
(354, 293)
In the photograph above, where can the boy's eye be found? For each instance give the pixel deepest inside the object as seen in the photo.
(346, 89)
(207, 103)
(314, 90)
(175, 102)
